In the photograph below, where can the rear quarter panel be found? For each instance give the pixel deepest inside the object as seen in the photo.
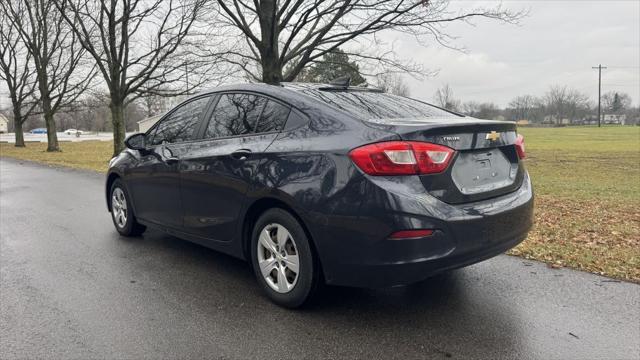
(309, 169)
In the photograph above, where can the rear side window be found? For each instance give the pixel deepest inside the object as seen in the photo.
(273, 118)
(181, 123)
(369, 105)
(235, 114)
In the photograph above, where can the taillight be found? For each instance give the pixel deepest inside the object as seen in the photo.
(402, 158)
(520, 146)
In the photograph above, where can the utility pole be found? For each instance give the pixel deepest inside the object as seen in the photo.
(599, 67)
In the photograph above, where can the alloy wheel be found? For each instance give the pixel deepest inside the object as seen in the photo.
(278, 258)
(119, 207)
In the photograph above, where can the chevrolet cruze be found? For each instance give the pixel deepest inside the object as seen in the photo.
(330, 184)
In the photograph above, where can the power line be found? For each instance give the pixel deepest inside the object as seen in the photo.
(599, 67)
(638, 85)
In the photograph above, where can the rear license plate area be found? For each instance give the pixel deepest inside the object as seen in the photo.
(481, 171)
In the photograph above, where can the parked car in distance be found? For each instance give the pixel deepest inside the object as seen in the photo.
(316, 183)
(39, 131)
(73, 132)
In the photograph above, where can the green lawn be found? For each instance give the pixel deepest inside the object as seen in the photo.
(585, 162)
(587, 184)
(88, 155)
(586, 179)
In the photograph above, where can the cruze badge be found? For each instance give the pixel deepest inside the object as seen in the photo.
(493, 136)
(451, 138)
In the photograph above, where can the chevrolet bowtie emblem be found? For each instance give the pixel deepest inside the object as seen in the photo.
(493, 136)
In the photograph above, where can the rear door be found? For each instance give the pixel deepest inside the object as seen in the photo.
(155, 179)
(221, 167)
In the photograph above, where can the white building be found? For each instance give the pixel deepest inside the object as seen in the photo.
(146, 124)
(615, 119)
(4, 124)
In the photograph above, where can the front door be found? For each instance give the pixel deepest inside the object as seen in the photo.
(154, 182)
(154, 185)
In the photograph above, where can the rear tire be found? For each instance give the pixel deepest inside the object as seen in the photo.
(122, 212)
(283, 261)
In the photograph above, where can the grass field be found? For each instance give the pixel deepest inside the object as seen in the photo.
(587, 183)
(586, 179)
(88, 155)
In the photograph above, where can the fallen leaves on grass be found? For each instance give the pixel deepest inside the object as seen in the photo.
(598, 236)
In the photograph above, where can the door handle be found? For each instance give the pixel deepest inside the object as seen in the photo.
(241, 154)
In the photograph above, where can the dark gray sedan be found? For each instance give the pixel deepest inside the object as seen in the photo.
(331, 184)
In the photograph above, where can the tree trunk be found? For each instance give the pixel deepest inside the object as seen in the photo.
(17, 123)
(19, 134)
(271, 70)
(269, 51)
(117, 118)
(52, 136)
(45, 99)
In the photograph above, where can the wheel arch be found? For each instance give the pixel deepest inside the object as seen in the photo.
(111, 178)
(256, 209)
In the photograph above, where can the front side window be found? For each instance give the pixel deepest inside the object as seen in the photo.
(180, 124)
(235, 114)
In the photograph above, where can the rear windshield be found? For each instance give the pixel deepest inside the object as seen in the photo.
(370, 105)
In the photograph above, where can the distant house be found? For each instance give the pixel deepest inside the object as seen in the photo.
(522, 122)
(552, 119)
(615, 119)
(589, 121)
(146, 124)
(4, 124)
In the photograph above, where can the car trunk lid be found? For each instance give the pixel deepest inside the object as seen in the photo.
(486, 162)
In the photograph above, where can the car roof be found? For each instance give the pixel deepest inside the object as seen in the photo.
(291, 92)
(286, 88)
(300, 86)
(289, 85)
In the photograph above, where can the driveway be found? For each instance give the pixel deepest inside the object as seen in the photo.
(70, 287)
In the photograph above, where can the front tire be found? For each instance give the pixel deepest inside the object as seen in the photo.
(122, 212)
(283, 260)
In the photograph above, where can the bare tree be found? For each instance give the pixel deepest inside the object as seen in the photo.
(485, 110)
(445, 99)
(17, 73)
(470, 108)
(153, 105)
(616, 102)
(392, 83)
(132, 64)
(562, 102)
(279, 38)
(523, 106)
(490, 111)
(55, 54)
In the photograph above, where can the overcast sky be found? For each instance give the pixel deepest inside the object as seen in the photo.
(557, 44)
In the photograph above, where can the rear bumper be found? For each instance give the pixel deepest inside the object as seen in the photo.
(363, 256)
(387, 275)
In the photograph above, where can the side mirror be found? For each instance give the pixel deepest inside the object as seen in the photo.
(135, 142)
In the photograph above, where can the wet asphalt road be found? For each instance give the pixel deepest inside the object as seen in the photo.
(70, 287)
